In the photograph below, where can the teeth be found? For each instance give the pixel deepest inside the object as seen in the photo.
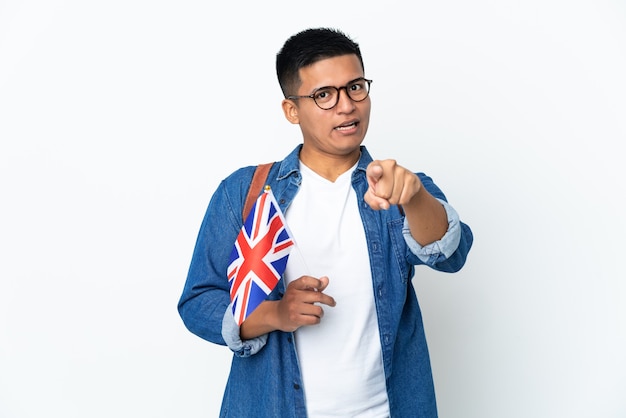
(345, 127)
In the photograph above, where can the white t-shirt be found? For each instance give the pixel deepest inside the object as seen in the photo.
(340, 359)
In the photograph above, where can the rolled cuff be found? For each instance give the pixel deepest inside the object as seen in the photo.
(438, 250)
(230, 333)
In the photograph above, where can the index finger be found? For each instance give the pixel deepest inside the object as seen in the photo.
(374, 172)
(307, 283)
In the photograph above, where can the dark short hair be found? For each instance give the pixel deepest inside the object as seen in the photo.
(306, 48)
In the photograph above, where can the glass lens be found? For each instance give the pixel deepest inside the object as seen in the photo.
(326, 97)
(357, 90)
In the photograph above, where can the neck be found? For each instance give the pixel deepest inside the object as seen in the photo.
(329, 166)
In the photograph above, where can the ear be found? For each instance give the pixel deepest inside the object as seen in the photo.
(291, 111)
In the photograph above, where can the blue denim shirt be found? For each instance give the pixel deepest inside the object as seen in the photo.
(265, 379)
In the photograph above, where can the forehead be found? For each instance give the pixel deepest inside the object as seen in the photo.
(335, 71)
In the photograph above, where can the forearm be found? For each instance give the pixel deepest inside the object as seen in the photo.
(426, 217)
(262, 321)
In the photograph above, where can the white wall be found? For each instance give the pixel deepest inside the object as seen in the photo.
(118, 119)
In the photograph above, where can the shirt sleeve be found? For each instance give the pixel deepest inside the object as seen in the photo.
(439, 250)
(230, 333)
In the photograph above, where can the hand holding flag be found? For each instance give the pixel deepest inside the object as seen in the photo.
(259, 256)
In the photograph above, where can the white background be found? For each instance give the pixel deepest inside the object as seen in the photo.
(119, 118)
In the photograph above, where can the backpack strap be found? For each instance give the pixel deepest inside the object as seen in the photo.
(256, 186)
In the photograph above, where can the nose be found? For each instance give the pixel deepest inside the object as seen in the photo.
(344, 103)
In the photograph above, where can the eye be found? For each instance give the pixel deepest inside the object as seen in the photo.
(357, 85)
(323, 94)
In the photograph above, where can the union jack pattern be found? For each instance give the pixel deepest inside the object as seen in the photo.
(259, 256)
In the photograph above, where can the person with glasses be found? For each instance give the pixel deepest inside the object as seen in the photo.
(341, 335)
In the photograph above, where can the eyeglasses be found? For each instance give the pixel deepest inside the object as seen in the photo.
(327, 97)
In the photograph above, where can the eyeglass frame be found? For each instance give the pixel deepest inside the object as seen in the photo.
(312, 95)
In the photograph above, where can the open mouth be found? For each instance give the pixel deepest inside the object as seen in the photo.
(347, 126)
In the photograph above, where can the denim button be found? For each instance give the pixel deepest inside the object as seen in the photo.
(296, 386)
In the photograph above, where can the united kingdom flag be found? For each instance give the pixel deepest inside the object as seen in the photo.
(259, 256)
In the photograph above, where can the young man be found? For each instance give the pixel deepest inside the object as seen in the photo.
(341, 335)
